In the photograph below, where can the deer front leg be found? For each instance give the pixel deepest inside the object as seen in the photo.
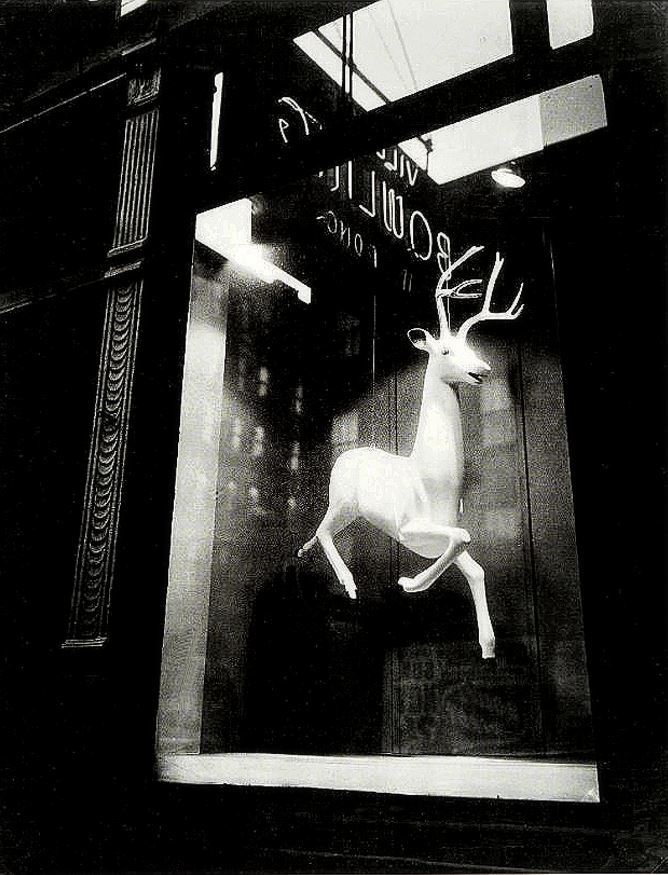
(457, 541)
(475, 577)
(340, 568)
(331, 525)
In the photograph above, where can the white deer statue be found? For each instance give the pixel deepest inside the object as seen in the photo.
(416, 499)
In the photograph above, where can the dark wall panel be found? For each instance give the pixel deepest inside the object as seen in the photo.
(49, 356)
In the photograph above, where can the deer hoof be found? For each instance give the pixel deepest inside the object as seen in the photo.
(488, 649)
(411, 584)
(349, 585)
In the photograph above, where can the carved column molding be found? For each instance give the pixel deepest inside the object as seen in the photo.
(89, 613)
(133, 211)
(95, 562)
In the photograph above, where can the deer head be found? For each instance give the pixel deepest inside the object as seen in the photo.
(449, 354)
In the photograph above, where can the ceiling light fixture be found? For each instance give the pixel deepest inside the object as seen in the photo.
(508, 176)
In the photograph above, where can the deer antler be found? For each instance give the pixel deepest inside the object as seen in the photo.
(485, 314)
(439, 294)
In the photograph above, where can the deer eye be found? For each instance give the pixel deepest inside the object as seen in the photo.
(445, 352)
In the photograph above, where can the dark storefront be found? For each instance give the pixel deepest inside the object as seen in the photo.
(224, 228)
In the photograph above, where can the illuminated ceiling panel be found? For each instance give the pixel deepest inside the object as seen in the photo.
(569, 21)
(511, 131)
(571, 110)
(401, 47)
(481, 141)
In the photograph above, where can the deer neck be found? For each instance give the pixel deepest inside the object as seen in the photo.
(439, 445)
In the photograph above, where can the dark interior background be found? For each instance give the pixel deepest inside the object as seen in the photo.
(294, 666)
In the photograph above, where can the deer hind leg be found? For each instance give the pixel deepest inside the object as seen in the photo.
(475, 577)
(457, 540)
(334, 521)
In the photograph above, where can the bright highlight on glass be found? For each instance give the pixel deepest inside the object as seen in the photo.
(131, 5)
(227, 230)
(215, 119)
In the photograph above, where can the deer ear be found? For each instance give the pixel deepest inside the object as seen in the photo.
(420, 338)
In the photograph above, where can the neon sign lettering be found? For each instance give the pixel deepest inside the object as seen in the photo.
(413, 236)
(378, 199)
(336, 227)
(306, 120)
(393, 206)
(400, 164)
(371, 209)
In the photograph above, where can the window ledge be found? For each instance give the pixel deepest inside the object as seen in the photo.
(472, 777)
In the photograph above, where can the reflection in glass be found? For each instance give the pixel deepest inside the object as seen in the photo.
(294, 457)
(241, 373)
(258, 442)
(298, 401)
(263, 382)
(237, 432)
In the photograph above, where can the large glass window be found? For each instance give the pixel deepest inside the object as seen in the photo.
(335, 406)
(297, 353)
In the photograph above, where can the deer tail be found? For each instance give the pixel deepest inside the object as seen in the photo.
(307, 546)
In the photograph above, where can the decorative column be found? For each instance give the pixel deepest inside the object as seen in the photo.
(89, 612)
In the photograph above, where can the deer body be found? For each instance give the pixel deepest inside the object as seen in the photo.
(393, 492)
(415, 499)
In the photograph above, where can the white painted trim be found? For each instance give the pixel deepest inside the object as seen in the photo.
(472, 777)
